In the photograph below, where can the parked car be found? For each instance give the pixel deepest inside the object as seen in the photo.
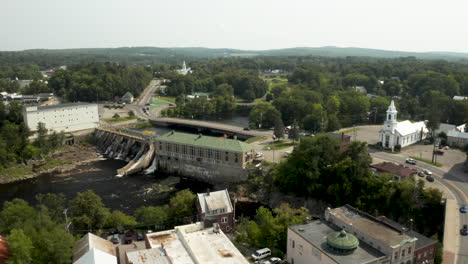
(261, 254)
(427, 172)
(140, 236)
(430, 178)
(464, 209)
(273, 260)
(439, 152)
(258, 155)
(421, 174)
(464, 230)
(246, 129)
(147, 104)
(171, 105)
(115, 239)
(410, 161)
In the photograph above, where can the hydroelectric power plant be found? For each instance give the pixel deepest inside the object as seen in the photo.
(197, 156)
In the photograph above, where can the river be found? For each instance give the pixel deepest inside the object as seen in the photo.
(122, 193)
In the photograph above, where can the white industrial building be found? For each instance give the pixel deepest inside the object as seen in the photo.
(402, 133)
(63, 117)
(92, 249)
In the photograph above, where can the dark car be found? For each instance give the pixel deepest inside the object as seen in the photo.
(147, 104)
(464, 209)
(115, 239)
(464, 230)
(246, 128)
(430, 178)
(140, 236)
(439, 152)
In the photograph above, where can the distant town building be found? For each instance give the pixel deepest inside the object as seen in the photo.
(216, 207)
(402, 133)
(198, 95)
(23, 83)
(345, 140)
(189, 244)
(4, 252)
(127, 98)
(350, 236)
(360, 89)
(399, 172)
(459, 98)
(184, 70)
(443, 127)
(92, 249)
(211, 158)
(457, 138)
(63, 117)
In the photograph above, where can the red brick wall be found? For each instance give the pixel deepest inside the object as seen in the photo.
(430, 254)
(223, 226)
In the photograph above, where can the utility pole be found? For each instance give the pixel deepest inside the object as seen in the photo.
(375, 115)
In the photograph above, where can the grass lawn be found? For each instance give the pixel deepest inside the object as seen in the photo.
(280, 144)
(427, 161)
(120, 119)
(159, 99)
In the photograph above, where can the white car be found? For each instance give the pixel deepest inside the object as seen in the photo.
(427, 172)
(258, 155)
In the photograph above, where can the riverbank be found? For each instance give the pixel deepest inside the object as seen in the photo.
(63, 160)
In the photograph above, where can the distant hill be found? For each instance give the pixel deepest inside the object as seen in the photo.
(149, 55)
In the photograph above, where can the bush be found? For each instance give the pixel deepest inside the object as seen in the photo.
(397, 147)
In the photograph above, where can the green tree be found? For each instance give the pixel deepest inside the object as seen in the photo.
(293, 133)
(278, 132)
(55, 204)
(88, 211)
(182, 206)
(20, 247)
(117, 218)
(151, 215)
(14, 214)
(263, 115)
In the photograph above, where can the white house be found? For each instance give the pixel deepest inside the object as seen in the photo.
(400, 133)
(92, 249)
(457, 138)
(63, 117)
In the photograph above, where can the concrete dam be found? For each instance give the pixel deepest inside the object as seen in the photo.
(204, 158)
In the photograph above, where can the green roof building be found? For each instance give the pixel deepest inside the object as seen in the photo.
(205, 149)
(342, 242)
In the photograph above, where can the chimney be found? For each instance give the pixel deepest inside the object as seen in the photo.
(208, 192)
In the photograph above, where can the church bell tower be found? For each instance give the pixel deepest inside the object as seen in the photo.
(391, 122)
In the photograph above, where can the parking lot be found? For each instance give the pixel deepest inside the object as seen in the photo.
(122, 248)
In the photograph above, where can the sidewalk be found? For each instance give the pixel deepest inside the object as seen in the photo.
(451, 234)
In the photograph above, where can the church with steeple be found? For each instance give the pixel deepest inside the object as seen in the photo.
(184, 70)
(402, 133)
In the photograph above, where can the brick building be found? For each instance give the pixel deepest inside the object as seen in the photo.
(216, 207)
(345, 140)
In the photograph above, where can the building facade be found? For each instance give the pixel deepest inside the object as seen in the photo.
(401, 134)
(63, 117)
(457, 138)
(204, 157)
(216, 207)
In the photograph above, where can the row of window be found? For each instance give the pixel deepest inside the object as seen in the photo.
(198, 152)
(403, 253)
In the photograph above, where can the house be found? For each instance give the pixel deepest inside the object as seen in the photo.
(401, 134)
(400, 172)
(345, 140)
(127, 98)
(62, 117)
(360, 89)
(92, 249)
(189, 244)
(457, 138)
(198, 95)
(216, 207)
(459, 98)
(4, 253)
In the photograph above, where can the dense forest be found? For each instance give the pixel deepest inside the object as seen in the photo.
(321, 95)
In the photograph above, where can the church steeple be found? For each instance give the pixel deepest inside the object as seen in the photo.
(392, 113)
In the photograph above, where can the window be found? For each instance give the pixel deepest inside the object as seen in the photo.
(184, 149)
(403, 253)
(396, 255)
(192, 151)
(168, 147)
(409, 250)
(236, 157)
(209, 153)
(176, 148)
(224, 220)
(293, 244)
(419, 256)
(200, 152)
(217, 155)
(227, 156)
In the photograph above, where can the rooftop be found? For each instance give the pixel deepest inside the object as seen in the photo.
(195, 244)
(316, 234)
(46, 107)
(457, 134)
(90, 242)
(148, 256)
(392, 168)
(215, 200)
(200, 140)
(406, 127)
(422, 241)
(371, 226)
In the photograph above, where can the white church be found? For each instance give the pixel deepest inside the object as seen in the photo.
(184, 70)
(402, 133)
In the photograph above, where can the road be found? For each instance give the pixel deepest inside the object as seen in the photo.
(145, 98)
(456, 183)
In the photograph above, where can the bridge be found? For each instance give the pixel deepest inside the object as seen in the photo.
(212, 126)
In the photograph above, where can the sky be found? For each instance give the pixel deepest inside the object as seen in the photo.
(404, 25)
